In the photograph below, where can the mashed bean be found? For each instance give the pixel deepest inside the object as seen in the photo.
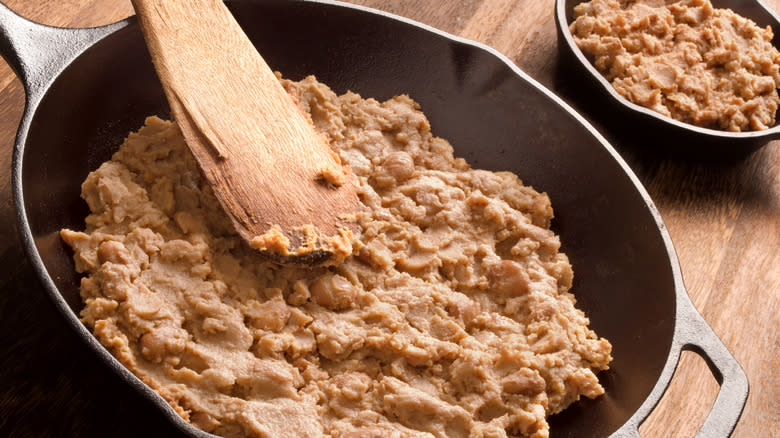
(452, 318)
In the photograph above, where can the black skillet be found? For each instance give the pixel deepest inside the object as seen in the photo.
(646, 127)
(87, 88)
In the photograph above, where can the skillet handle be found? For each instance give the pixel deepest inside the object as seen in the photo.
(697, 336)
(38, 53)
(692, 333)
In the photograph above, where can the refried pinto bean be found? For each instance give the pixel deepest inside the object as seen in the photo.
(452, 318)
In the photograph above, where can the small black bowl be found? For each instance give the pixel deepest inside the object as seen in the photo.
(599, 100)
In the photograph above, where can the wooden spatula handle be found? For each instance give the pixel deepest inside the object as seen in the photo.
(257, 149)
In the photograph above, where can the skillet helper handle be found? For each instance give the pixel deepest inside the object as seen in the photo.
(38, 53)
(692, 333)
(697, 336)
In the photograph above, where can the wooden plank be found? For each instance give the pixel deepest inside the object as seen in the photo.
(723, 220)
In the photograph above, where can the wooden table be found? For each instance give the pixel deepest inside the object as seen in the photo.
(723, 219)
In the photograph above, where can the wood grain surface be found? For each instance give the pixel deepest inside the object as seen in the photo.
(722, 217)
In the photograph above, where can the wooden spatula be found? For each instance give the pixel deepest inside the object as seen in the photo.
(276, 178)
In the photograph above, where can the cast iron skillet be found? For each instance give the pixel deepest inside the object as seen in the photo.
(87, 88)
(668, 134)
